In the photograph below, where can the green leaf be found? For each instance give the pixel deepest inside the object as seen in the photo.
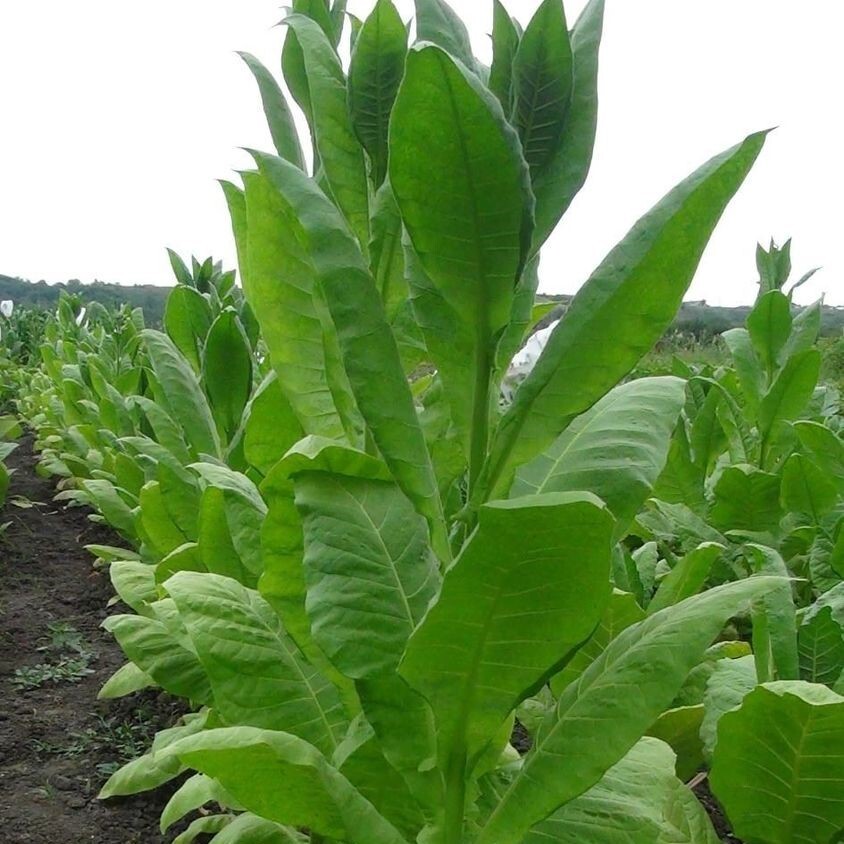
(271, 426)
(615, 450)
(599, 718)
(437, 22)
(256, 673)
(791, 391)
(375, 72)
(824, 446)
(751, 376)
(127, 680)
(278, 114)
(778, 767)
(281, 287)
(687, 577)
(187, 318)
(564, 175)
(113, 508)
(543, 78)
(619, 313)
(807, 489)
(286, 780)
(746, 499)
(638, 801)
(511, 609)
(227, 371)
(505, 42)
(369, 570)
(680, 728)
(250, 829)
(728, 684)
(769, 325)
(367, 345)
(159, 651)
(155, 525)
(820, 641)
(184, 395)
(620, 613)
(470, 224)
(340, 154)
(192, 794)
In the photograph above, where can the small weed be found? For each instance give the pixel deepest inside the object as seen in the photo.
(64, 637)
(65, 670)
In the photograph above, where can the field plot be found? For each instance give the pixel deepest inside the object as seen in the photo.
(394, 559)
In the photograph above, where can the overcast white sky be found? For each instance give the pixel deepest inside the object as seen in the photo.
(118, 117)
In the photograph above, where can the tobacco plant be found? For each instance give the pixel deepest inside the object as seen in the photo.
(429, 560)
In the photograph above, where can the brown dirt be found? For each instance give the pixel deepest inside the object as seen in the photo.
(57, 742)
(716, 813)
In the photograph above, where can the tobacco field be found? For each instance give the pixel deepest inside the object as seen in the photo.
(331, 555)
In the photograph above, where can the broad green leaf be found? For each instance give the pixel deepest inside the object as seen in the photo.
(340, 154)
(511, 609)
(807, 489)
(271, 426)
(747, 499)
(466, 204)
(681, 481)
(375, 72)
(281, 287)
(774, 619)
(250, 829)
(369, 571)
(505, 42)
(154, 523)
(825, 446)
(791, 391)
(367, 345)
(437, 22)
(127, 680)
(206, 825)
(769, 326)
(751, 376)
(680, 729)
(615, 450)
(113, 508)
(778, 767)
(599, 718)
(687, 577)
(543, 79)
(404, 726)
(156, 767)
(184, 558)
(728, 684)
(284, 779)
(159, 652)
(256, 673)
(559, 182)
(619, 313)
(192, 794)
(186, 401)
(167, 432)
(620, 613)
(227, 371)
(804, 329)
(187, 318)
(820, 641)
(216, 548)
(278, 114)
(638, 801)
(134, 583)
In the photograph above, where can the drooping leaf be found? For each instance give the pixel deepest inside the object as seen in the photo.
(257, 676)
(687, 577)
(778, 767)
(728, 684)
(286, 780)
(615, 450)
(599, 718)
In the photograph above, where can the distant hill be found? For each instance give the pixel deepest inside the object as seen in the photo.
(28, 294)
(705, 321)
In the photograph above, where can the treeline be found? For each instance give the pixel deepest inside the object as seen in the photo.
(28, 294)
(705, 321)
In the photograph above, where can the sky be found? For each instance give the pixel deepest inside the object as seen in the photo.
(119, 118)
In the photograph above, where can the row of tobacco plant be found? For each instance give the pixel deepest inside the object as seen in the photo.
(360, 560)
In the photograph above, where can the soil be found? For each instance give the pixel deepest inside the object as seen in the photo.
(716, 813)
(58, 744)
